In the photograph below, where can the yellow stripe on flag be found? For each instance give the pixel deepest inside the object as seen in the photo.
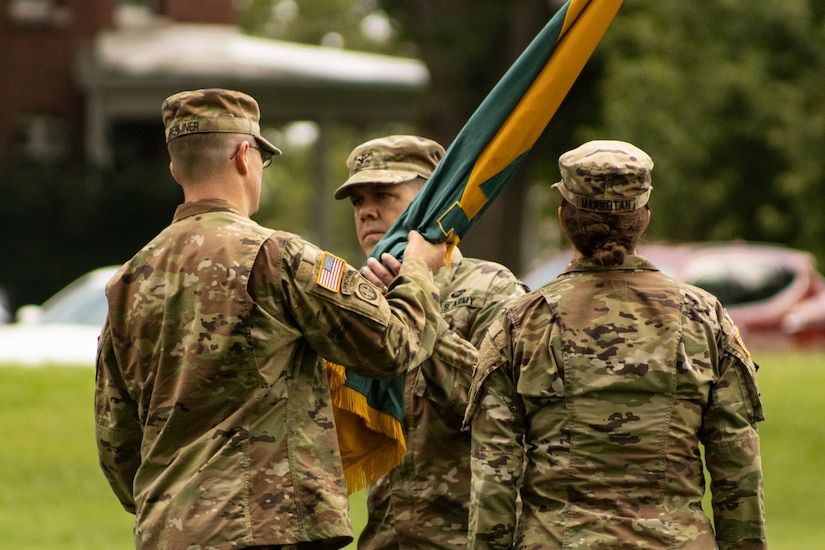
(538, 105)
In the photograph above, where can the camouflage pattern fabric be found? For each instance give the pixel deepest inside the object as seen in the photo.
(389, 160)
(590, 401)
(213, 110)
(605, 176)
(424, 502)
(213, 418)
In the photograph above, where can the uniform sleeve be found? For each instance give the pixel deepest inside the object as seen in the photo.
(504, 288)
(495, 416)
(731, 445)
(348, 321)
(117, 429)
(447, 376)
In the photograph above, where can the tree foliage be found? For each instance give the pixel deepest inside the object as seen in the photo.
(351, 24)
(728, 98)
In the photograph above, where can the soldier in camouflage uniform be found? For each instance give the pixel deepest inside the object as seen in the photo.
(213, 418)
(424, 502)
(593, 394)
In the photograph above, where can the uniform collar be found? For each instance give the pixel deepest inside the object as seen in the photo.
(193, 208)
(631, 263)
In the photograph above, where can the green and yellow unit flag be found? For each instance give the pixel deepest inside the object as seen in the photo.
(473, 172)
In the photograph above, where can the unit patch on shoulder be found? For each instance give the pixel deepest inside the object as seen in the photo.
(367, 292)
(330, 272)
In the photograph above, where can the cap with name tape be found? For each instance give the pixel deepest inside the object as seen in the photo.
(605, 176)
(213, 110)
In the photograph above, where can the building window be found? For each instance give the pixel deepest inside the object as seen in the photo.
(40, 138)
(135, 13)
(48, 12)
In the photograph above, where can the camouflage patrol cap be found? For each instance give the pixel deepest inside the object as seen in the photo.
(605, 176)
(390, 160)
(213, 110)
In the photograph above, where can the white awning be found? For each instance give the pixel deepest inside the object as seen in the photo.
(197, 50)
(127, 73)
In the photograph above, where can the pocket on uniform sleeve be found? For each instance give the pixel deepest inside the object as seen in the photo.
(746, 371)
(491, 357)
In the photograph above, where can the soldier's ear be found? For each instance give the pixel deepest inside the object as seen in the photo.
(241, 158)
(172, 171)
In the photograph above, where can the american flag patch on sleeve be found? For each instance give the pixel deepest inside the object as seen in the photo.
(332, 268)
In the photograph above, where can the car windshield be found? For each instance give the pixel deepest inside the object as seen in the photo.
(742, 281)
(83, 302)
(735, 277)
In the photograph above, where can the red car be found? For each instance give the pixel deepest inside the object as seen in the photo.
(774, 294)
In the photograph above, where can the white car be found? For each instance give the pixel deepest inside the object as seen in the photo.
(64, 330)
(5, 314)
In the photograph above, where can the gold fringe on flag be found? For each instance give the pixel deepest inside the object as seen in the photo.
(372, 442)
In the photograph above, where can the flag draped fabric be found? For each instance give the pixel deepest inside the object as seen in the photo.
(474, 170)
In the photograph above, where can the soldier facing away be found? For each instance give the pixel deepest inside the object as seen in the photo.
(593, 393)
(213, 417)
(424, 502)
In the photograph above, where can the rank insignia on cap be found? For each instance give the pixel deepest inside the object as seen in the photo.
(332, 268)
(363, 160)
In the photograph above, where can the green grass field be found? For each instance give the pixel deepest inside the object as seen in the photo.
(53, 496)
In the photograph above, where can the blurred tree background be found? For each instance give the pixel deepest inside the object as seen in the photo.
(728, 97)
(467, 46)
(729, 100)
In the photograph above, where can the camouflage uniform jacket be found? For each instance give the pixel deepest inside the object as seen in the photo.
(424, 502)
(595, 393)
(213, 417)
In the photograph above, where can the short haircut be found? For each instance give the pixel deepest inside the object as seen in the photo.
(198, 156)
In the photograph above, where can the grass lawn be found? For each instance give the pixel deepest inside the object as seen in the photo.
(53, 496)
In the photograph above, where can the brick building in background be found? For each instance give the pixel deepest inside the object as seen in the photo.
(41, 101)
(83, 162)
(80, 74)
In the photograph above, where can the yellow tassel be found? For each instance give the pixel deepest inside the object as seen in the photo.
(336, 375)
(452, 242)
(372, 442)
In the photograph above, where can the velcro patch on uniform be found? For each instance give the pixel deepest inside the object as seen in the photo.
(742, 342)
(329, 275)
(367, 292)
(348, 282)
